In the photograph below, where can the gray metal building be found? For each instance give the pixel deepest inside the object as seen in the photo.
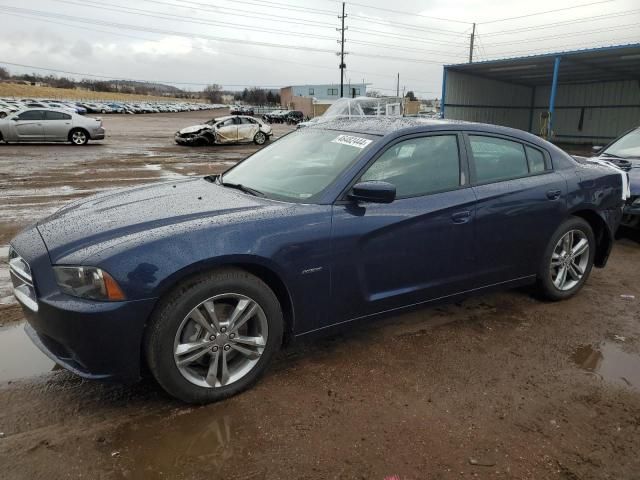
(583, 96)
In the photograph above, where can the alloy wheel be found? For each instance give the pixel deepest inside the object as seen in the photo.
(221, 340)
(79, 138)
(260, 138)
(569, 260)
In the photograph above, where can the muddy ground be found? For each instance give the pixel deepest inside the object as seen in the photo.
(498, 386)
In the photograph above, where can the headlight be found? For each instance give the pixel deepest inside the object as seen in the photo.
(636, 202)
(88, 282)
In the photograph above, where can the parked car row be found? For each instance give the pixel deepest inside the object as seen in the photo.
(8, 106)
(241, 110)
(290, 117)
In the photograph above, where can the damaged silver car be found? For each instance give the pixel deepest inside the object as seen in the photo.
(231, 129)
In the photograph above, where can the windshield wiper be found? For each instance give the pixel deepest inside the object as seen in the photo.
(242, 188)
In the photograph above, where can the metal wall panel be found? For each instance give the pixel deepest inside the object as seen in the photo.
(478, 99)
(607, 109)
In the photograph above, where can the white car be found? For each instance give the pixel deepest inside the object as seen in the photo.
(50, 125)
(223, 130)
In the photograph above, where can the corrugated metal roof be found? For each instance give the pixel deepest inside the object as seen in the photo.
(619, 62)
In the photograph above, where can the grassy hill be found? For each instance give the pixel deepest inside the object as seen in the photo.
(30, 91)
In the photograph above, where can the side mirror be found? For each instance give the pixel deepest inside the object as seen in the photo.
(596, 148)
(374, 192)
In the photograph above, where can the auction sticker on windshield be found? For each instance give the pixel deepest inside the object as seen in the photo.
(352, 141)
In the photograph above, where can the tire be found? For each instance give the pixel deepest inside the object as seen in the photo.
(260, 138)
(550, 282)
(78, 136)
(172, 328)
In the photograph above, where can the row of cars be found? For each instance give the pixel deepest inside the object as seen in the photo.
(290, 117)
(8, 106)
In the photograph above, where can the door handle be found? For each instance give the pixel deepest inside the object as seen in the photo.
(553, 194)
(461, 217)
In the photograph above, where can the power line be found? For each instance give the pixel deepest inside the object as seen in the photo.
(405, 37)
(552, 37)
(262, 16)
(157, 30)
(412, 14)
(172, 17)
(566, 22)
(406, 25)
(547, 11)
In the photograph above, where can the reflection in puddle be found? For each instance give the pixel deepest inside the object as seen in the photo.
(610, 363)
(210, 441)
(19, 357)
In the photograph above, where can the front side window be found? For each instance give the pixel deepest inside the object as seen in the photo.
(300, 165)
(497, 159)
(32, 115)
(419, 166)
(247, 121)
(227, 123)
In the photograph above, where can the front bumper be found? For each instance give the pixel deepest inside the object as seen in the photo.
(631, 214)
(98, 340)
(98, 134)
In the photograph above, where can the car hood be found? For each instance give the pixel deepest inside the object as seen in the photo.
(195, 128)
(126, 212)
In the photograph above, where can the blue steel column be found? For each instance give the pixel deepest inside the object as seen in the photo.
(444, 90)
(552, 98)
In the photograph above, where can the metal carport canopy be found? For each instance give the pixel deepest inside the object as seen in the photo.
(620, 62)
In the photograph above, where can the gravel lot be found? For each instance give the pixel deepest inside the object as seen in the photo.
(498, 386)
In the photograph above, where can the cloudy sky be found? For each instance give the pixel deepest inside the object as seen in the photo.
(237, 43)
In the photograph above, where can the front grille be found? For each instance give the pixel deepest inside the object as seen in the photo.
(22, 280)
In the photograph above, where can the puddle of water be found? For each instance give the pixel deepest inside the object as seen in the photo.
(610, 362)
(19, 357)
(210, 441)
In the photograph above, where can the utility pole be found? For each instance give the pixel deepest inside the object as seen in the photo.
(398, 86)
(342, 64)
(473, 38)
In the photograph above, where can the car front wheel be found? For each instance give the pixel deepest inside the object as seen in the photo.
(568, 260)
(214, 336)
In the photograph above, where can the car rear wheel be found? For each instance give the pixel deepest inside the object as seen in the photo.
(78, 136)
(214, 336)
(568, 260)
(260, 138)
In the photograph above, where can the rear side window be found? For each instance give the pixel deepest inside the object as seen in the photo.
(247, 121)
(496, 159)
(419, 166)
(51, 115)
(32, 115)
(536, 160)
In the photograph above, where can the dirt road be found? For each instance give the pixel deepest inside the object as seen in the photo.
(499, 386)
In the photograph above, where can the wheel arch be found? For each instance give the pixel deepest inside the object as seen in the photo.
(258, 266)
(602, 233)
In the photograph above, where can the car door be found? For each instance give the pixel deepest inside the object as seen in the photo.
(521, 201)
(417, 248)
(28, 126)
(227, 131)
(56, 126)
(247, 129)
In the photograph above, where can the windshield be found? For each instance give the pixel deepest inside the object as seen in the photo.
(627, 146)
(300, 165)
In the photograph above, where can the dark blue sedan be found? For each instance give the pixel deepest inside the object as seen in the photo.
(202, 279)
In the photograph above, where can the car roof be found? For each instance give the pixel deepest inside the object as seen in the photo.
(383, 125)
